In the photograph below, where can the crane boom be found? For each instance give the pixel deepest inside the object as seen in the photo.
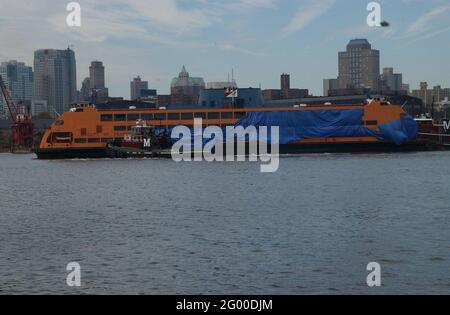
(22, 125)
(9, 102)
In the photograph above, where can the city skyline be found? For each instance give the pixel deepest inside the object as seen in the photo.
(258, 38)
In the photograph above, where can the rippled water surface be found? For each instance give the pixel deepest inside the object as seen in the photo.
(158, 227)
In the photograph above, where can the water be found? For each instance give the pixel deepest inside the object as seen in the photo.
(158, 227)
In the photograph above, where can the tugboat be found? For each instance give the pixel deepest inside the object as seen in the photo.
(435, 133)
(143, 142)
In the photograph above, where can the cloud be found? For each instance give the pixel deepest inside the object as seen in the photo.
(233, 48)
(430, 35)
(422, 22)
(258, 3)
(307, 13)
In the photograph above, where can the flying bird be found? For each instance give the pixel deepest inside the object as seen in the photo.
(385, 24)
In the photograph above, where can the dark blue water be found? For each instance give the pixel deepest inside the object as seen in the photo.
(158, 227)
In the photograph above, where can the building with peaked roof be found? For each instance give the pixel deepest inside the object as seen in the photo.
(184, 84)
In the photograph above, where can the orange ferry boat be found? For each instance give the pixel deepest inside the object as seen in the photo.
(85, 130)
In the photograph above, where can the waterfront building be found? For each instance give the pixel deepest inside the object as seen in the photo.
(221, 85)
(330, 85)
(390, 80)
(38, 107)
(184, 91)
(97, 75)
(85, 91)
(99, 92)
(215, 98)
(430, 96)
(285, 92)
(149, 95)
(285, 81)
(359, 66)
(55, 79)
(18, 77)
(136, 87)
(184, 84)
(406, 88)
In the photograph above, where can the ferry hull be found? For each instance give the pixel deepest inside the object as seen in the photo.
(306, 148)
(357, 147)
(61, 154)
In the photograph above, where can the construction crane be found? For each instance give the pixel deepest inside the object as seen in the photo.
(21, 123)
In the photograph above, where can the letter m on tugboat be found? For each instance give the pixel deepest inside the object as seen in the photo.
(446, 125)
(147, 143)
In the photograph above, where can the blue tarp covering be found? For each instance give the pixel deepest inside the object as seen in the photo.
(400, 131)
(300, 125)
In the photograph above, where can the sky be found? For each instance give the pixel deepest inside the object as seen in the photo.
(259, 39)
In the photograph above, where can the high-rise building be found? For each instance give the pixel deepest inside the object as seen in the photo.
(330, 85)
(97, 75)
(285, 81)
(359, 66)
(85, 91)
(390, 80)
(38, 108)
(136, 86)
(98, 92)
(19, 79)
(55, 79)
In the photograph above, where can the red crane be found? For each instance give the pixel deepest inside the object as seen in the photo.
(22, 125)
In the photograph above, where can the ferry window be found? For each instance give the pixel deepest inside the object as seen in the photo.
(120, 128)
(227, 115)
(372, 123)
(147, 116)
(120, 117)
(107, 140)
(160, 116)
(186, 116)
(214, 115)
(204, 103)
(59, 122)
(239, 114)
(99, 129)
(62, 137)
(173, 116)
(132, 117)
(80, 140)
(93, 140)
(200, 115)
(106, 118)
(83, 131)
